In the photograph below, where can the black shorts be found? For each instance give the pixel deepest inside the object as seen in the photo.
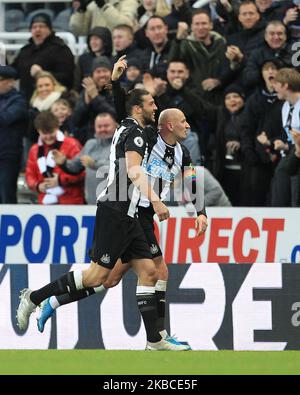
(146, 221)
(117, 236)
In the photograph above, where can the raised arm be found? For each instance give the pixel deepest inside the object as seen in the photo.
(119, 93)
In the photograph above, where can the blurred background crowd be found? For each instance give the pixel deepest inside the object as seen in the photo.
(231, 66)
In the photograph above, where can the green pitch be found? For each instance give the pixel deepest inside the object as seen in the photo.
(141, 362)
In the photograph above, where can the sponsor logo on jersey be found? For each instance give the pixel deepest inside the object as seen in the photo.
(158, 168)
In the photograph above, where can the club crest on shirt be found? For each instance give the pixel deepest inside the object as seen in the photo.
(105, 258)
(153, 249)
(169, 160)
(138, 141)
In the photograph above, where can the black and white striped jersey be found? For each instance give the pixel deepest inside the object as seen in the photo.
(120, 194)
(163, 164)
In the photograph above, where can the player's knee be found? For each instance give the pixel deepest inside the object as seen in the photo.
(162, 269)
(110, 283)
(93, 279)
(152, 275)
(163, 276)
(163, 273)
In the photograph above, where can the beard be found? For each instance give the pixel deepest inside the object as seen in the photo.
(148, 118)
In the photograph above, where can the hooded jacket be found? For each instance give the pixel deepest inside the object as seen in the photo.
(84, 64)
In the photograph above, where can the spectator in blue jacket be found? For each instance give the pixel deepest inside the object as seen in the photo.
(13, 119)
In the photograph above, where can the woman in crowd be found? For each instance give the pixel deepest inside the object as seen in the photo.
(47, 91)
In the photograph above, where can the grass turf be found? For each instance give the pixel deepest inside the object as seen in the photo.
(106, 362)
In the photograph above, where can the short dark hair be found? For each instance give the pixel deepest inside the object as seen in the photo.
(175, 60)
(46, 122)
(247, 2)
(201, 11)
(155, 17)
(135, 98)
(275, 23)
(106, 114)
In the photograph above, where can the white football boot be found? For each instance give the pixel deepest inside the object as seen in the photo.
(25, 309)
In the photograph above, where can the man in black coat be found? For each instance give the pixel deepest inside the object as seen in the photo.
(167, 95)
(45, 51)
(94, 99)
(124, 44)
(269, 10)
(243, 42)
(276, 47)
(260, 127)
(13, 117)
(155, 58)
(225, 121)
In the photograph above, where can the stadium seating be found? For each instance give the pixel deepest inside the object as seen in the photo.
(13, 19)
(47, 11)
(61, 21)
(23, 25)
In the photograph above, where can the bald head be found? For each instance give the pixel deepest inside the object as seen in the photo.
(172, 125)
(168, 115)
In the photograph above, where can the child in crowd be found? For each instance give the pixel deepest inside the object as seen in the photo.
(133, 74)
(62, 110)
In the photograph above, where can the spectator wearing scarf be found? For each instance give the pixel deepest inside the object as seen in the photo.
(53, 185)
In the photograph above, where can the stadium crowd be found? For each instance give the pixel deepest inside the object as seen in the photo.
(230, 66)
